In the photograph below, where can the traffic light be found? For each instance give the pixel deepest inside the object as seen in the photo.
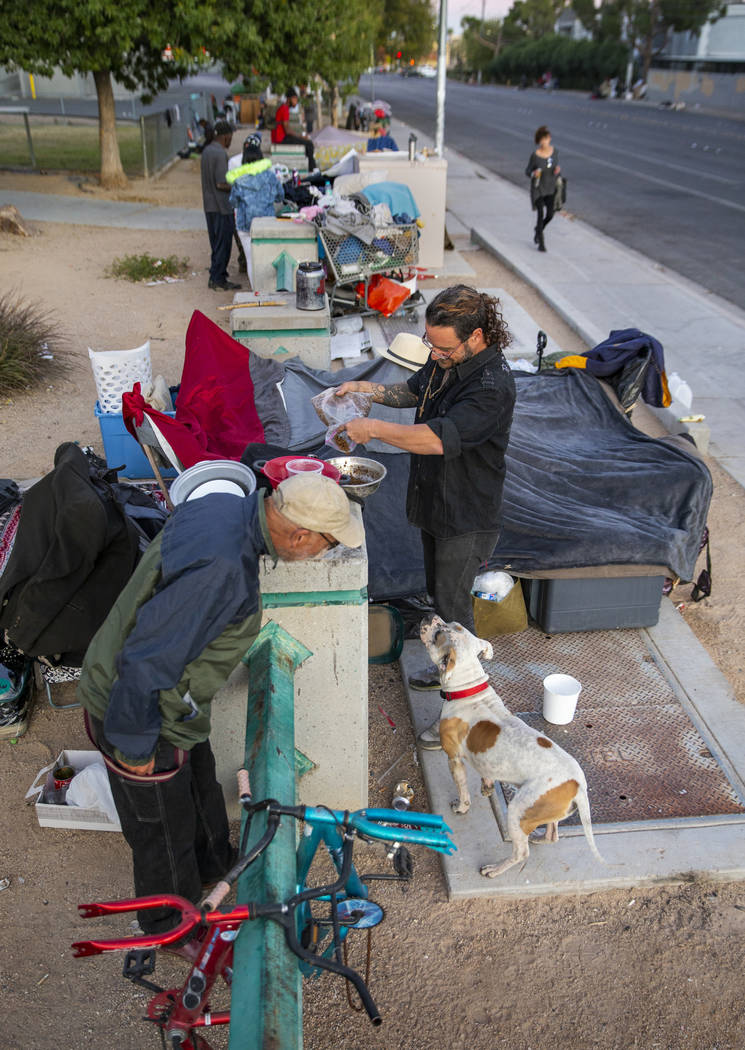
(398, 54)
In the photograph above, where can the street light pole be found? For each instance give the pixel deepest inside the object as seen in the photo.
(441, 73)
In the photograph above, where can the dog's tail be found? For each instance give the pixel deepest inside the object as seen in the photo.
(582, 803)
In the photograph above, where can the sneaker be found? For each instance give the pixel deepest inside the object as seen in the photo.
(425, 680)
(11, 729)
(429, 738)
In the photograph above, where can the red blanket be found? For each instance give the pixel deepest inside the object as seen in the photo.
(215, 412)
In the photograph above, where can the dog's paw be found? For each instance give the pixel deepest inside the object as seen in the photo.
(460, 807)
(487, 790)
(490, 871)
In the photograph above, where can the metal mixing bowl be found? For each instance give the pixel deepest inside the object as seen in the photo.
(359, 476)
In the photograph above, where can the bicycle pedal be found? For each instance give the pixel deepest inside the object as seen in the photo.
(138, 964)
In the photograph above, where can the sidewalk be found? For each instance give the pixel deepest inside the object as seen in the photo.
(596, 285)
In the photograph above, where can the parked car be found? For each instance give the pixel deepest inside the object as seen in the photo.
(426, 71)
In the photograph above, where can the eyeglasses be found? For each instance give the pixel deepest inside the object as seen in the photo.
(330, 540)
(442, 350)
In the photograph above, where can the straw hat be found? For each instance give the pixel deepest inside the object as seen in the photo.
(406, 349)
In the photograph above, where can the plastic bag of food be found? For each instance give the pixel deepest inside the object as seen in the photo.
(335, 412)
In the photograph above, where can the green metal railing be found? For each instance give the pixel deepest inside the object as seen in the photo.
(266, 998)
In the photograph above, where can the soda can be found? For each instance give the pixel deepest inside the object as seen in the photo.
(403, 794)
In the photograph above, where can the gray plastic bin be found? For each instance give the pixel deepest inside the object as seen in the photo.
(593, 604)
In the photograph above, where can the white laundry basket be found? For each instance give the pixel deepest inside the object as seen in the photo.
(116, 371)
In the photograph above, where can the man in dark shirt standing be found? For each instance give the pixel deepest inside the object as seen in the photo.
(464, 396)
(217, 209)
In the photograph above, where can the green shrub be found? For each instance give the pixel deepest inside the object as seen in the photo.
(578, 64)
(32, 347)
(147, 267)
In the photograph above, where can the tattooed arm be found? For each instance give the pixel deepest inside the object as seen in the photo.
(397, 395)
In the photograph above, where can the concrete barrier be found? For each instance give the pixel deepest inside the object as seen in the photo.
(283, 331)
(276, 247)
(323, 604)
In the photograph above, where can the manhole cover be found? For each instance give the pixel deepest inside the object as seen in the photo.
(642, 756)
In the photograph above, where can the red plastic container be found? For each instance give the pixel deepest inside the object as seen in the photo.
(276, 469)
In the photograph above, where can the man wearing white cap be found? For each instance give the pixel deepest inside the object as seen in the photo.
(188, 615)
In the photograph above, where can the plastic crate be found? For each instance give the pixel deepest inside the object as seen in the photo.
(594, 604)
(122, 451)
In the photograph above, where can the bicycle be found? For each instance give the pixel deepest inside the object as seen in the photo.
(180, 1014)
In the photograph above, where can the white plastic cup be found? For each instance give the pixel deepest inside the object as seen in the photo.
(560, 695)
(304, 466)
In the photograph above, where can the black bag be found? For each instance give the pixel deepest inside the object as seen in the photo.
(560, 193)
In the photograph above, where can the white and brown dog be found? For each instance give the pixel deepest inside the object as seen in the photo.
(477, 728)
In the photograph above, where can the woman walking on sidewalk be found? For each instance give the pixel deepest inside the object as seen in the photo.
(542, 169)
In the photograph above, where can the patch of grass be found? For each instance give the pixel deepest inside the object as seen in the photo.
(66, 147)
(147, 267)
(31, 345)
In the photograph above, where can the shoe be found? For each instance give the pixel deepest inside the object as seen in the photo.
(429, 738)
(223, 286)
(541, 246)
(15, 727)
(425, 680)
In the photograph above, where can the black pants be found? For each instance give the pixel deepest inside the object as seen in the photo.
(220, 229)
(298, 140)
(450, 566)
(178, 832)
(544, 210)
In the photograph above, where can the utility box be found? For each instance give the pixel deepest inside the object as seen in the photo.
(282, 331)
(274, 248)
(427, 180)
(323, 604)
(588, 603)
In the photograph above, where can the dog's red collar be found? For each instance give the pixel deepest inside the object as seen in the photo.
(460, 694)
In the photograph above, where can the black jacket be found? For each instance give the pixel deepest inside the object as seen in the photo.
(74, 551)
(460, 491)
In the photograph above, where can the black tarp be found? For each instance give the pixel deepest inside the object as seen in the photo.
(584, 487)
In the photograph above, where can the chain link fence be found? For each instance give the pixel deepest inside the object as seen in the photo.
(167, 132)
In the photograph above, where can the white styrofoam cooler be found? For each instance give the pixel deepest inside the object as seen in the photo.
(74, 818)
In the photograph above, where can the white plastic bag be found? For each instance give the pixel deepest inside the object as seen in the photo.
(336, 411)
(494, 586)
(90, 789)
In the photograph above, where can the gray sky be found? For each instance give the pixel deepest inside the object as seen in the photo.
(458, 8)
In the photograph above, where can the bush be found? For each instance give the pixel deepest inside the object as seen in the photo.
(32, 346)
(578, 64)
(147, 268)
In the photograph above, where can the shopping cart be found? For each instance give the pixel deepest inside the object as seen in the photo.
(350, 261)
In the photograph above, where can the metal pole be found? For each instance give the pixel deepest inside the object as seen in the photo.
(30, 143)
(441, 71)
(144, 147)
(372, 73)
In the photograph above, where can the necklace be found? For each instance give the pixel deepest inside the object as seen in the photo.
(429, 393)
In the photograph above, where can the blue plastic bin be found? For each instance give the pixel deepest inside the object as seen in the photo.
(121, 448)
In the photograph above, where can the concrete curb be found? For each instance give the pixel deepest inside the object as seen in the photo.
(637, 854)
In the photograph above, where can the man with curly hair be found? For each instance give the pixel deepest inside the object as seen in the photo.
(464, 397)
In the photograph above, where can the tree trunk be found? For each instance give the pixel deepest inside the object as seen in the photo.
(112, 173)
(335, 105)
(649, 41)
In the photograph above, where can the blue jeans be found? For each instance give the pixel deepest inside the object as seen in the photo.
(220, 229)
(450, 566)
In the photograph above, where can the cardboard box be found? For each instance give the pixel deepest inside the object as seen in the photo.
(74, 818)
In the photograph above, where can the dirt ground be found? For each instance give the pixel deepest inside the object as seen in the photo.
(652, 969)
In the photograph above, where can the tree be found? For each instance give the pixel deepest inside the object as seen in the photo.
(407, 26)
(532, 19)
(481, 41)
(118, 40)
(342, 39)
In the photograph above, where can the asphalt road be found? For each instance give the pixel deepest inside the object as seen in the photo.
(670, 184)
